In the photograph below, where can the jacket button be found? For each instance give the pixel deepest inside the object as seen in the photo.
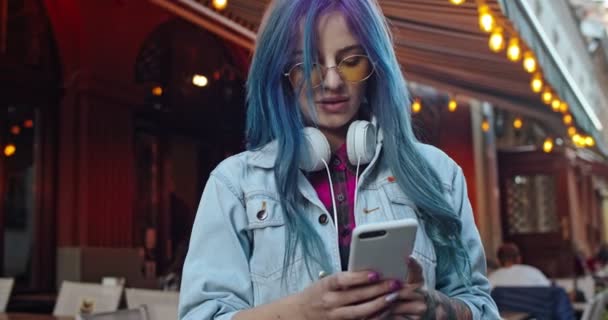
(262, 215)
(323, 219)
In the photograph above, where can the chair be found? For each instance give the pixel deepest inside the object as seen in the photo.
(544, 303)
(140, 313)
(77, 298)
(596, 308)
(161, 305)
(6, 286)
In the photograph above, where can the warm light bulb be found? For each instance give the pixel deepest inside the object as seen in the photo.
(157, 91)
(518, 123)
(576, 139)
(563, 107)
(200, 80)
(548, 145)
(220, 4)
(486, 20)
(514, 50)
(29, 123)
(15, 130)
(537, 83)
(547, 96)
(571, 131)
(555, 104)
(530, 62)
(497, 40)
(9, 150)
(567, 119)
(416, 106)
(485, 125)
(452, 105)
(589, 141)
(457, 2)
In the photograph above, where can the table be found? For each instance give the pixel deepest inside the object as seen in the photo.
(31, 316)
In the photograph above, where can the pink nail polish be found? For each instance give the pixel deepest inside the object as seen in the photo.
(396, 285)
(373, 276)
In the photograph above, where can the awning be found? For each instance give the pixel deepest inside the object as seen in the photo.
(440, 44)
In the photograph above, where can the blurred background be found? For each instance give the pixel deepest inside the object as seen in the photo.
(113, 113)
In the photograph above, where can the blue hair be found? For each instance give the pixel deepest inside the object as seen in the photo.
(273, 115)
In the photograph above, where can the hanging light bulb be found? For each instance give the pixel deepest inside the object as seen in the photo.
(9, 150)
(518, 123)
(537, 83)
(567, 119)
(556, 104)
(514, 50)
(571, 131)
(485, 125)
(547, 96)
(548, 145)
(157, 91)
(563, 107)
(220, 4)
(452, 105)
(457, 2)
(530, 62)
(486, 20)
(497, 40)
(589, 141)
(577, 139)
(416, 106)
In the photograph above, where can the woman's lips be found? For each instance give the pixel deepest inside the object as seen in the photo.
(333, 106)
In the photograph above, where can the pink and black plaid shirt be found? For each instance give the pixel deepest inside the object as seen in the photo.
(343, 178)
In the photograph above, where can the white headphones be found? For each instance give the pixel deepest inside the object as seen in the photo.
(361, 141)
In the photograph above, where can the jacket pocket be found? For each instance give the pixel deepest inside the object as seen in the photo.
(266, 222)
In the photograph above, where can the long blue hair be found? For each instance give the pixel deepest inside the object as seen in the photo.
(273, 115)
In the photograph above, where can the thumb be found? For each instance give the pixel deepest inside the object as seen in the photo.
(414, 274)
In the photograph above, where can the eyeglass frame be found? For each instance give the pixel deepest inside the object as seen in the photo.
(325, 69)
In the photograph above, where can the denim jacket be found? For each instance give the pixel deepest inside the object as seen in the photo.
(235, 258)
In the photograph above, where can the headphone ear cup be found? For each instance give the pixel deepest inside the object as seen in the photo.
(314, 149)
(361, 142)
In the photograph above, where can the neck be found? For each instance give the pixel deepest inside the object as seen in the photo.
(336, 138)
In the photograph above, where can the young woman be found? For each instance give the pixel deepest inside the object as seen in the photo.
(330, 146)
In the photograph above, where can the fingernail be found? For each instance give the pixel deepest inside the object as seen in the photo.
(392, 297)
(373, 276)
(396, 285)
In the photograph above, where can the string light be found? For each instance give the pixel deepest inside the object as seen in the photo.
(547, 96)
(452, 105)
(200, 80)
(9, 150)
(537, 83)
(514, 50)
(497, 40)
(589, 141)
(220, 4)
(548, 145)
(29, 123)
(577, 139)
(157, 91)
(563, 107)
(556, 104)
(518, 123)
(486, 20)
(571, 131)
(15, 129)
(416, 106)
(567, 119)
(529, 62)
(457, 2)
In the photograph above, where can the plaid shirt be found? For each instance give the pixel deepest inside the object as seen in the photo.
(343, 178)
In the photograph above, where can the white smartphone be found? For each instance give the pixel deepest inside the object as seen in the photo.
(383, 247)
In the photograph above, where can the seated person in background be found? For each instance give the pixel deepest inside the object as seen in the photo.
(514, 274)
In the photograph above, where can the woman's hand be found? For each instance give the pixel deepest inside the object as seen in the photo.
(349, 295)
(416, 302)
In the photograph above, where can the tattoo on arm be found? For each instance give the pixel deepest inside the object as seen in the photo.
(446, 308)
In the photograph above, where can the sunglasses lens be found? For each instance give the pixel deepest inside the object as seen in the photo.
(355, 68)
(296, 76)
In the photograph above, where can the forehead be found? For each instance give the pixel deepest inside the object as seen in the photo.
(332, 33)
